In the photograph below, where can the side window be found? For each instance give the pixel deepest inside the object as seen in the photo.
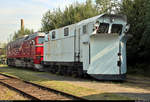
(53, 35)
(84, 29)
(66, 31)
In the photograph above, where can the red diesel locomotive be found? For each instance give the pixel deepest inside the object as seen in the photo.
(26, 51)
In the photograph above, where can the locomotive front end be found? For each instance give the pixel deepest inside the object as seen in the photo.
(108, 48)
(38, 58)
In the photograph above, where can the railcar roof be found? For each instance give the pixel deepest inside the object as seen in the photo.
(94, 19)
(28, 37)
(81, 22)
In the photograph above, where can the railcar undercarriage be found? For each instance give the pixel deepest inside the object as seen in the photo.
(66, 68)
(23, 62)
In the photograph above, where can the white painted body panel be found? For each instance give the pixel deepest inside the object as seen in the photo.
(62, 50)
(104, 50)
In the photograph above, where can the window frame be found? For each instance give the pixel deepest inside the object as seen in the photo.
(84, 29)
(117, 25)
(66, 31)
(53, 34)
(107, 25)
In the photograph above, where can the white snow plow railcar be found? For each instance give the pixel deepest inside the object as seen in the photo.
(95, 46)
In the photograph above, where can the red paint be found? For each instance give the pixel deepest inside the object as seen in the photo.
(26, 49)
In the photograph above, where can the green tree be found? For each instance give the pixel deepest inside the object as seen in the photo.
(21, 33)
(138, 49)
(145, 41)
(135, 11)
(72, 14)
(107, 6)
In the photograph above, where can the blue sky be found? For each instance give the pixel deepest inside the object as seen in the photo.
(11, 11)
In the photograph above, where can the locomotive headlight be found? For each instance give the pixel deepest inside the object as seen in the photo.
(127, 28)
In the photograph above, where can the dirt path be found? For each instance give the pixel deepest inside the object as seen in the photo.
(134, 87)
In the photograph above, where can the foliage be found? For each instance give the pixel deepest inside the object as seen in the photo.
(2, 52)
(108, 6)
(75, 13)
(72, 14)
(138, 48)
(145, 40)
(2, 49)
(21, 33)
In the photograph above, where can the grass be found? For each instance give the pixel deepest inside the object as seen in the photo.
(87, 93)
(69, 88)
(108, 96)
(138, 76)
(1, 65)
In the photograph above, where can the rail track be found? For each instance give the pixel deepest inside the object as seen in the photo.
(34, 91)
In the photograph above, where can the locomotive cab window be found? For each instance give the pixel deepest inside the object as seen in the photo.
(66, 31)
(53, 35)
(103, 28)
(84, 29)
(40, 40)
(116, 28)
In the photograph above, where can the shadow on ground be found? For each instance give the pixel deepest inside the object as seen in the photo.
(118, 96)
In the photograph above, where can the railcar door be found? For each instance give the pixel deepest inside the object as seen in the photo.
(85, 51)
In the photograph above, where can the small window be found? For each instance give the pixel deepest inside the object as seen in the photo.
(84, 29)
(103, 28)
(53, 35)
(66, 31)
(116, 28)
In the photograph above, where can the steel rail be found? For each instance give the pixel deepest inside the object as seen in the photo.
(19, 91)
(48, 89)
